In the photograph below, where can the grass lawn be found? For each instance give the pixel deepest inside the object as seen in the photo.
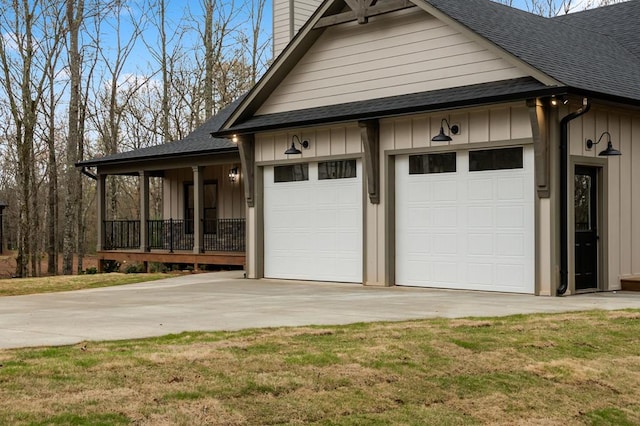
(23, 286)
(567, 369)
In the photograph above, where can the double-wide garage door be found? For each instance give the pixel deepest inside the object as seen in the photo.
(313, 221)
(465, 220)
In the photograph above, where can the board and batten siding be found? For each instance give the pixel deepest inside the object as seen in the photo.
(283, 12)
(623, 184)
(403, 52)
(231, 204)
(323, 142)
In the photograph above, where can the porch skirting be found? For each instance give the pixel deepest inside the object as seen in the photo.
(195, 259)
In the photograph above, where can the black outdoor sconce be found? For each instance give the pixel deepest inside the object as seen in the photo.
(442, 137)
(610, 149)
(293, 150)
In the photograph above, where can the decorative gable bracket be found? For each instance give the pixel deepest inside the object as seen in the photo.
(362, 10)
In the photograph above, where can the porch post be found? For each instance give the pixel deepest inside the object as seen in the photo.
(198, 204)
(102, 208)
(144, 210)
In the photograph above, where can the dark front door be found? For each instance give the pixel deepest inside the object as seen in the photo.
(586, 227)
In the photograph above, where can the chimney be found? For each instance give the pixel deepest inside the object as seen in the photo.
(288, 17)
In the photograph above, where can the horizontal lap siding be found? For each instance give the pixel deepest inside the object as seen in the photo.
(400, 53)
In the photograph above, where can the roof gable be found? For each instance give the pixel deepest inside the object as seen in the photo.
(557, 52)
(404, 52)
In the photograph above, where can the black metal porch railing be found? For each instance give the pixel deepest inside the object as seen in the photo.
(226, 235)
(121, 234)
(170, 234)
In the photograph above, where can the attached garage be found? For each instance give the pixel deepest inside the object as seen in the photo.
(313, 221)
(465, 220)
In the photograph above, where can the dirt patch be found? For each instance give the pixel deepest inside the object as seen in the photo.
(8, 264)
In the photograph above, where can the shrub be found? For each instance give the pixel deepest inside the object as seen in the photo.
(111, 266)
(91, 270)
(158, 267)
(134, 268)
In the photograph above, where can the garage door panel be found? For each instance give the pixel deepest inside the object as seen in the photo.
(481, 274)
(445, 216)
(479, 235)
(321, 229)
(510, 216)
(510, 189)
(510, 245)
(444, 190)
(480, 189)
(481, 217)
(480, 244)
(444, 243)
(507, 274)
(446, 273)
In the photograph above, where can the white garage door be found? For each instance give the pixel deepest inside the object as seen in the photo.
(465, 220)
(313, 221)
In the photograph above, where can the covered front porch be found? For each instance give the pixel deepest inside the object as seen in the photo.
(183, 202)
(201, 221)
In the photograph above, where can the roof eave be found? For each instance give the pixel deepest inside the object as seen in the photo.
(550, 91)
(156, 157)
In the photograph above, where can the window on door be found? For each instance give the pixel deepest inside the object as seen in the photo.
(495, 159)
(210, 202)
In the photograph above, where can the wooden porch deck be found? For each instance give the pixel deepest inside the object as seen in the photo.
(188, 257)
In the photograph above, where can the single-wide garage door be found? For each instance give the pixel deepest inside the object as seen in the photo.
(465, 220)
(313, 221)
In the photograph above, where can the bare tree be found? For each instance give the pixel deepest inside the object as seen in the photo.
(74, 17)
(24, 61)
(551, 8)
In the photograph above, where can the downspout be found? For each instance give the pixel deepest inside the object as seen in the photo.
(87, 173)
(564, 191)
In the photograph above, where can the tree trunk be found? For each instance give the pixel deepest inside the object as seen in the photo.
(74, 16)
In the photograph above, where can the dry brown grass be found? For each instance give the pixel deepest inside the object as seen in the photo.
(573, 369)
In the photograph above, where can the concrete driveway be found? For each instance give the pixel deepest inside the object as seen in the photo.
(226, 301)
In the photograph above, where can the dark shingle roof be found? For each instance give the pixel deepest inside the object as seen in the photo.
(619, 21)
(197, 142)
(402, 104)
(572, 50)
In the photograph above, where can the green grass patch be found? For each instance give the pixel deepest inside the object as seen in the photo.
(609, 416)
(95, 419)
(25, 286)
